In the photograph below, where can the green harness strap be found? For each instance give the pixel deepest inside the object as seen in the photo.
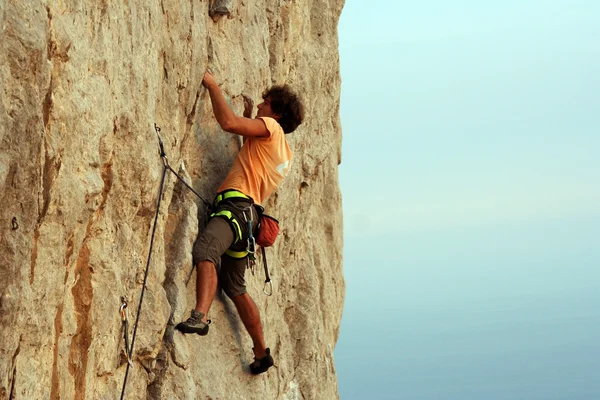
(229, 194)
(236, 254)
(229, 216)
(238, 233)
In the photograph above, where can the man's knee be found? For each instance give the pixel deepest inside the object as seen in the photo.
(247, 309)
(207, 264)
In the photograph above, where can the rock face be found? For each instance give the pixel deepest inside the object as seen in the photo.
(82, 84)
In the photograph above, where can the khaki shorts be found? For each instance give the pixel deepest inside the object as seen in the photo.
(218, 236)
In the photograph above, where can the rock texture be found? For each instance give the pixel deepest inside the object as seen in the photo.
(82, 83)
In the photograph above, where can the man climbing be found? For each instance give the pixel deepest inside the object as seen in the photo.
(220, 252)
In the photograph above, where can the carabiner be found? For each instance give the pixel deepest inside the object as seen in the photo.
(268, 284)
(123, 309)
(251, 246)
(125, 321)
(161, 146)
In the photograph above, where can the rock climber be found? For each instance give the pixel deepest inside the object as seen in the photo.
(220, 251)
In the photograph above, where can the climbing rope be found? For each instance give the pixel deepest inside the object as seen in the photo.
(137, 318)
(166, 167)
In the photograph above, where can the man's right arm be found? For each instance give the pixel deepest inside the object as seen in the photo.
(248, 106)
(226, 117)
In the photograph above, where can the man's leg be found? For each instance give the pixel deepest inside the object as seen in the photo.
(209, 246)
(206, 286)
(232, 281)
(251, 318)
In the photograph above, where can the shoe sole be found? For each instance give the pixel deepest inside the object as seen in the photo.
(263, 368)
(186, 329)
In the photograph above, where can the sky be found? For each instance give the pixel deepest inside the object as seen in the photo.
(470, 179)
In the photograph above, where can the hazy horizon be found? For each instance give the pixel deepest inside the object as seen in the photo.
(471, 197)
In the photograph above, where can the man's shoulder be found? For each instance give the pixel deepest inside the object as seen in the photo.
(272, 126)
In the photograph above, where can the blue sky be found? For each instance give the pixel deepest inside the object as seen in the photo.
(470, 180)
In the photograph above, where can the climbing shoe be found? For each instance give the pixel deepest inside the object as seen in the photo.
(261, 365)
(194, 324)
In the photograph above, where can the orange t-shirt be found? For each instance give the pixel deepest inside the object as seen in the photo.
(261, 164)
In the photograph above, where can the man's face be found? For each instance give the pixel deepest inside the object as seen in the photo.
(264, 109)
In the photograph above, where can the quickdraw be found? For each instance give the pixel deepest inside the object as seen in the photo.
(251, 245)
(125, 327)
(165, 160)
(268, 287)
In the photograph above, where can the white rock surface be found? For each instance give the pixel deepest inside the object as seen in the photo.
(82, 83)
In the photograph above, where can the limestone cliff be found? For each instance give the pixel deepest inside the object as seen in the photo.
(82, 84)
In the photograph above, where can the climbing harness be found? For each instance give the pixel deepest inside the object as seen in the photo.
(268, 229)
(125, 321)
(235, 225)
(228, 215)
(229, 194)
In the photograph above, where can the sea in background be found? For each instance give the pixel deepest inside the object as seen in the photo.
(496, 313)
(470, 179)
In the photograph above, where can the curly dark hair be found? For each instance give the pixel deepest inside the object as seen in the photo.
(287, 104)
